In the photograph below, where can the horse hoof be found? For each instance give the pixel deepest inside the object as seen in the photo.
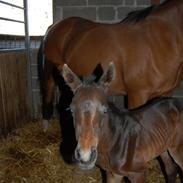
(45, 125)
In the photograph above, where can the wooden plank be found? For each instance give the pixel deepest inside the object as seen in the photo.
(13, 91)
(2, 102)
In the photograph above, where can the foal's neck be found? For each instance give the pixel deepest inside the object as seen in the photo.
(117, 123)
(118, 132)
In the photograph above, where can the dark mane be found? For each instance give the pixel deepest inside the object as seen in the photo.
(138, 15)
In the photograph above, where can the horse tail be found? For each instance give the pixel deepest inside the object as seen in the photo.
(41, 64)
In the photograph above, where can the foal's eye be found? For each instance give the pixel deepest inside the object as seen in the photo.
(69, 109)
(105, 110)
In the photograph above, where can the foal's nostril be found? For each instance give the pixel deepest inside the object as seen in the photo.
(85, 157)
(77, 154)
(93, 153)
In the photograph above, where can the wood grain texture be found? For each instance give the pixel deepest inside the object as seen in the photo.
(13, 91)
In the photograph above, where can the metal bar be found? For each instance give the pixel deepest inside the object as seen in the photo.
(12, 20)
(10, 4)
(29, 70)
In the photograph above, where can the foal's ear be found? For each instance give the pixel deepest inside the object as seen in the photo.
(70, 78)
(108, 76)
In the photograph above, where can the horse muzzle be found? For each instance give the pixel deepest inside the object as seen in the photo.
(85, 159)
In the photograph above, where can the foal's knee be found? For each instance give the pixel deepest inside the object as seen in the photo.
(138, 177)
(114, 178)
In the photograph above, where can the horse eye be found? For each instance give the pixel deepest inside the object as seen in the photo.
(69, 109)
(105, 110)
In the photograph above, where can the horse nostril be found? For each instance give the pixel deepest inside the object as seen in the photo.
(84, 157)
(93, 153)
(77, 154)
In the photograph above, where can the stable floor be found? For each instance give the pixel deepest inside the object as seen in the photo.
(29, 155)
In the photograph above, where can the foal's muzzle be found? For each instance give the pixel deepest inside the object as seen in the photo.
(85, 159)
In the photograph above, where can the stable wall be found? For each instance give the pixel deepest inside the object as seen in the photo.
(14, 101)
(98, 10)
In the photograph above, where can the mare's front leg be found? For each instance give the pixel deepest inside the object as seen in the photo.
(114, 178)
(48, 93)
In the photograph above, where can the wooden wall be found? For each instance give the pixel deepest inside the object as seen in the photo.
(14, 109)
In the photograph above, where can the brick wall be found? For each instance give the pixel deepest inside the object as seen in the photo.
(98, 10)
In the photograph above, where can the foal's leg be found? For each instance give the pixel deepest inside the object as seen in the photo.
(114, 178)
(48, 93)
(170, 167)
(138, 177)
(177, 154)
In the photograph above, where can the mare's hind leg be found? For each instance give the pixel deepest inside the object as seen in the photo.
(170, 167)
(48, 93)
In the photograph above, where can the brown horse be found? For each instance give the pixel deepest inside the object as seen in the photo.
(146, 48)
(123, 142)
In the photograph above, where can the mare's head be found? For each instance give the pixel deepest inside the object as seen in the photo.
(89, 109)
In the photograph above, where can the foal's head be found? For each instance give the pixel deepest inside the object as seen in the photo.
(89, 109)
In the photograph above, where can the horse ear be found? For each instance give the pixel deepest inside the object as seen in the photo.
(70, 78)
(108, 76)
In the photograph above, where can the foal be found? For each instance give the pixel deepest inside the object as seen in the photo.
(123, 142)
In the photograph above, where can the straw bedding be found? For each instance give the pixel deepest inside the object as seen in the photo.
(28, 155)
